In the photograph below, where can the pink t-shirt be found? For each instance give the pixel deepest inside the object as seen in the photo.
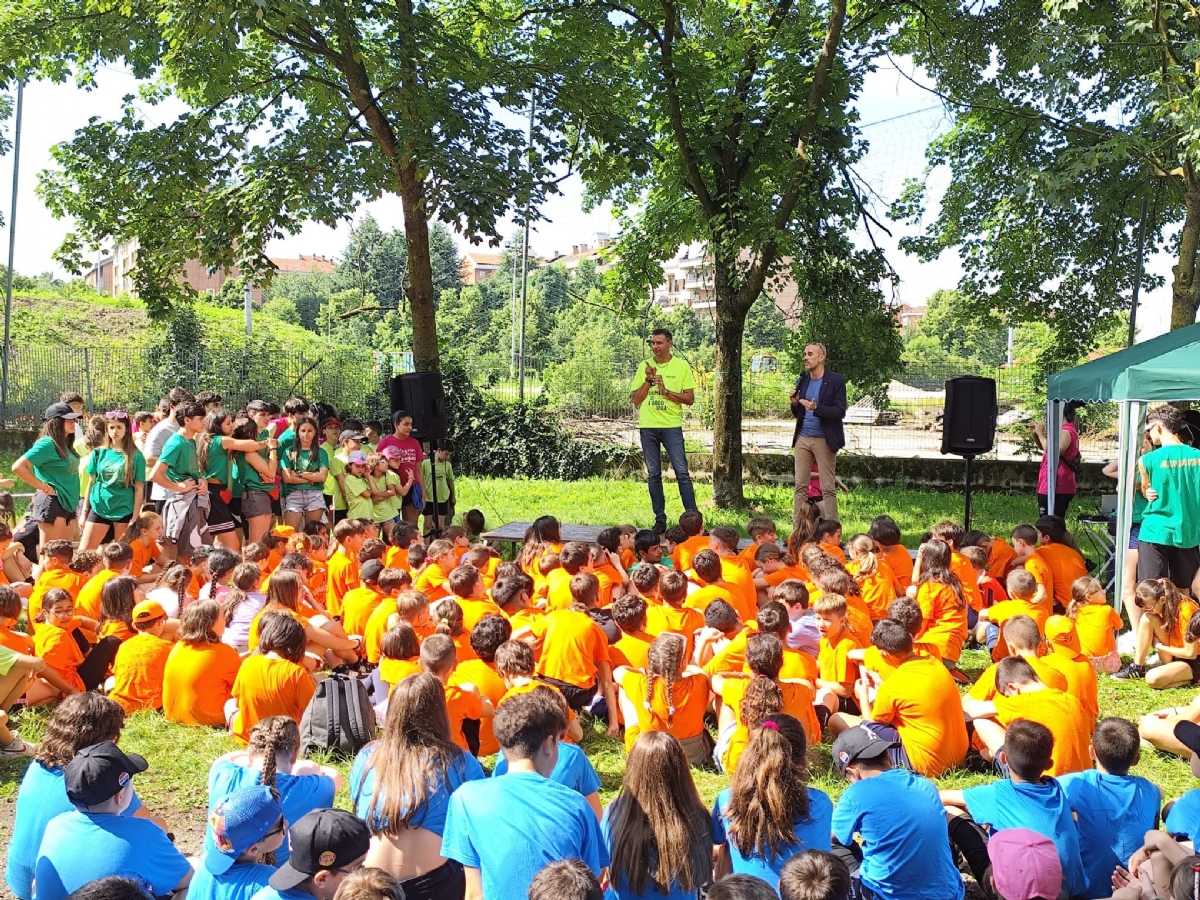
(411, 454)
(1066, 478)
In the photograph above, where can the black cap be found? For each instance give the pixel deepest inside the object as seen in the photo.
(370, 570)
(323, 839)
(351, 435)
(98, 772)
(859, 742)
(61, 411)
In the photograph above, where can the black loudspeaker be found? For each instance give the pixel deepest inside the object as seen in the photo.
(422, 396)
(969, 422)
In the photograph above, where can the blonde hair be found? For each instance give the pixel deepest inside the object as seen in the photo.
(862, 549)
(830, 603)
(1081, 589)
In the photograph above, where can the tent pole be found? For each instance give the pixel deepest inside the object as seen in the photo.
(1053, 432)
(1132, 413)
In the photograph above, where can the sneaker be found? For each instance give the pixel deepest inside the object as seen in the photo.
(1130, 672)
(17, 749)
(960, 676)
(660, 527)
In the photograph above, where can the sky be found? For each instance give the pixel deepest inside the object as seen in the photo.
(897, 115)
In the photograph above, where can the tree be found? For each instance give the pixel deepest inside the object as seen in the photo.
(295, 111)
(766, 327)
(952, 333)
(307, 292)
(738, 135)
(1067, 117)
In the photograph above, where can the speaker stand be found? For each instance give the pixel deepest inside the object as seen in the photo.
(436, 531)
(970, 460)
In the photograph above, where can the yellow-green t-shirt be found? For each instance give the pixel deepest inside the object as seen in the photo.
(656, 410)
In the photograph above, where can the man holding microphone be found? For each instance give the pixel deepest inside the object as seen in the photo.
(819, 405)
(660, 391)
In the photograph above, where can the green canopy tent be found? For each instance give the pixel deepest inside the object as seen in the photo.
(1165, 368)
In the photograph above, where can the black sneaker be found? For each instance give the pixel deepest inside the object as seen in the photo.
(1130, 672)
(660, 527)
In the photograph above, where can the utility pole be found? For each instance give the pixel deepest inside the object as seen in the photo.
(248, 305)
(525, 254)
(12, 242)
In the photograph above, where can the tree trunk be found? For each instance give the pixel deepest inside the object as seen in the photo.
(1185, 290)
(727, 392)
(420, 269)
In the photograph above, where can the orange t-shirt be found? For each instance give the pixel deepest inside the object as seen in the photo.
(731, 657)
(682, 717)
(1037, 566)
(1081, 677)
(88, 601)
(461, 705)
(197, 682)
(557, 589)
(491, 687)
(474, 609)
(138, 672)
(142, 556)
(573, 646)
(742, 587)
(69, 581)
(1000, 559)
(747, 556)
(1066, 565)
(1066, 718)
(58, 648)
(834, 550)
(699, 600)
(999, 613)
(873, 660)
(900, 562)
(683, 621)
(683, 553)
(376, 628)
(357, 605)
(609, 578)
(631, 650)
(269, 686)
(628, 558)
(834, 662)
(1187, 609)
(342, 576)
(878, 590)
(530, 686)
(1095, 624)
(462, 647)
(961, 567)
(921, 701)
(985, 687)
(16, 641)
(945, 622)
(393, 671)
(432, 583)
(797, 701)
(785, 573)
(123, 631)
(252, 641)
(396, 558)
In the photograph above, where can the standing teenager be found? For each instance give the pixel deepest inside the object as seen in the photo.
(305, 467)
(256, 473)
(215, 449)
(185, 492)
(118, 473)
(51, 468)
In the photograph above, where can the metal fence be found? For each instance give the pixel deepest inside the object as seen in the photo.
(593, 398)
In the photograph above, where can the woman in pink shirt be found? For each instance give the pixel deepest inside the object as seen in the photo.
(408, 463)
(1068, 456)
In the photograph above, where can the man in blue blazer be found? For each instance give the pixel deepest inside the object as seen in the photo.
(819, 405)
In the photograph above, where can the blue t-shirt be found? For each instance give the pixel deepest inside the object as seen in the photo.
(1183, 821)
(902, 823)
(362, 790)
(573, 769)
(510, 828)
(298, 794)
(1112, 815)
(622, 891)
(241, 882)
(42, 796)
(811, 835)
(269, 893)
(1039, 807)
(81, 847)
(811, 426)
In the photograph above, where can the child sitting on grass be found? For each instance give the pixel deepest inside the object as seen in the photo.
(142, 660)
(464, 704)
(273, 681)
(1096, 623)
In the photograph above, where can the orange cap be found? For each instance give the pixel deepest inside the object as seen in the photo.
(1060, 632)
(148, 611)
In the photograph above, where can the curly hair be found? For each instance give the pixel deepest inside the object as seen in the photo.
(79, 721)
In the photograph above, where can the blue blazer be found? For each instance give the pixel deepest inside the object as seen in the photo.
(831, 408)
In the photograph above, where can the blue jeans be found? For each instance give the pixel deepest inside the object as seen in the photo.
(653, 439)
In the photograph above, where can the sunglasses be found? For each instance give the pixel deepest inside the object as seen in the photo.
(116, 414)
(278, 829)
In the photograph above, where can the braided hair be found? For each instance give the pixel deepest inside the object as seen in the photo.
(664, 661)
(272, 738)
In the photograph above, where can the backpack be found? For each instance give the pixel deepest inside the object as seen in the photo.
(339, 719)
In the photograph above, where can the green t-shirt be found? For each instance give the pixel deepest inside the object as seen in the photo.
(217, 467)
(359, 507)
(61, 474)
(179, 454)
(337, 466)
(445, 477)
(109, 496)
(656, 411)
(1171, 520)
(306, 461)
(246, 475)
(385, 510)
(330, 482)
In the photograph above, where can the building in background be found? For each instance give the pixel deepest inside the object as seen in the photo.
(907, 316)
(477, 266)
(688, 282)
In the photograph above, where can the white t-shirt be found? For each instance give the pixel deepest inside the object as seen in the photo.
(155, 441)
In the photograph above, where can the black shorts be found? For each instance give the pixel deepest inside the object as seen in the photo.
(1160, 561)
(46, 509)
(97, 519)
(255, 504)
(443, 509)
(577, 698)
(220, 518)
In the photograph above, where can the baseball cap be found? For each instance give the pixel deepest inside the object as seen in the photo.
(370, 570)
(357, 457)
(324, 839)
(1025, 864)
(391, 452)
(333, 421)
(98, 772)
(61, 411)
(238, 821)
(1060, 632)
(351, 435)
(856, 743)
(148, 611)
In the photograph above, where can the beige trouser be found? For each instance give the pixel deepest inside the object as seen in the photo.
(808, 449)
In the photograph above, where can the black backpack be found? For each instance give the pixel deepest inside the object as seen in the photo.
(339, 719)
